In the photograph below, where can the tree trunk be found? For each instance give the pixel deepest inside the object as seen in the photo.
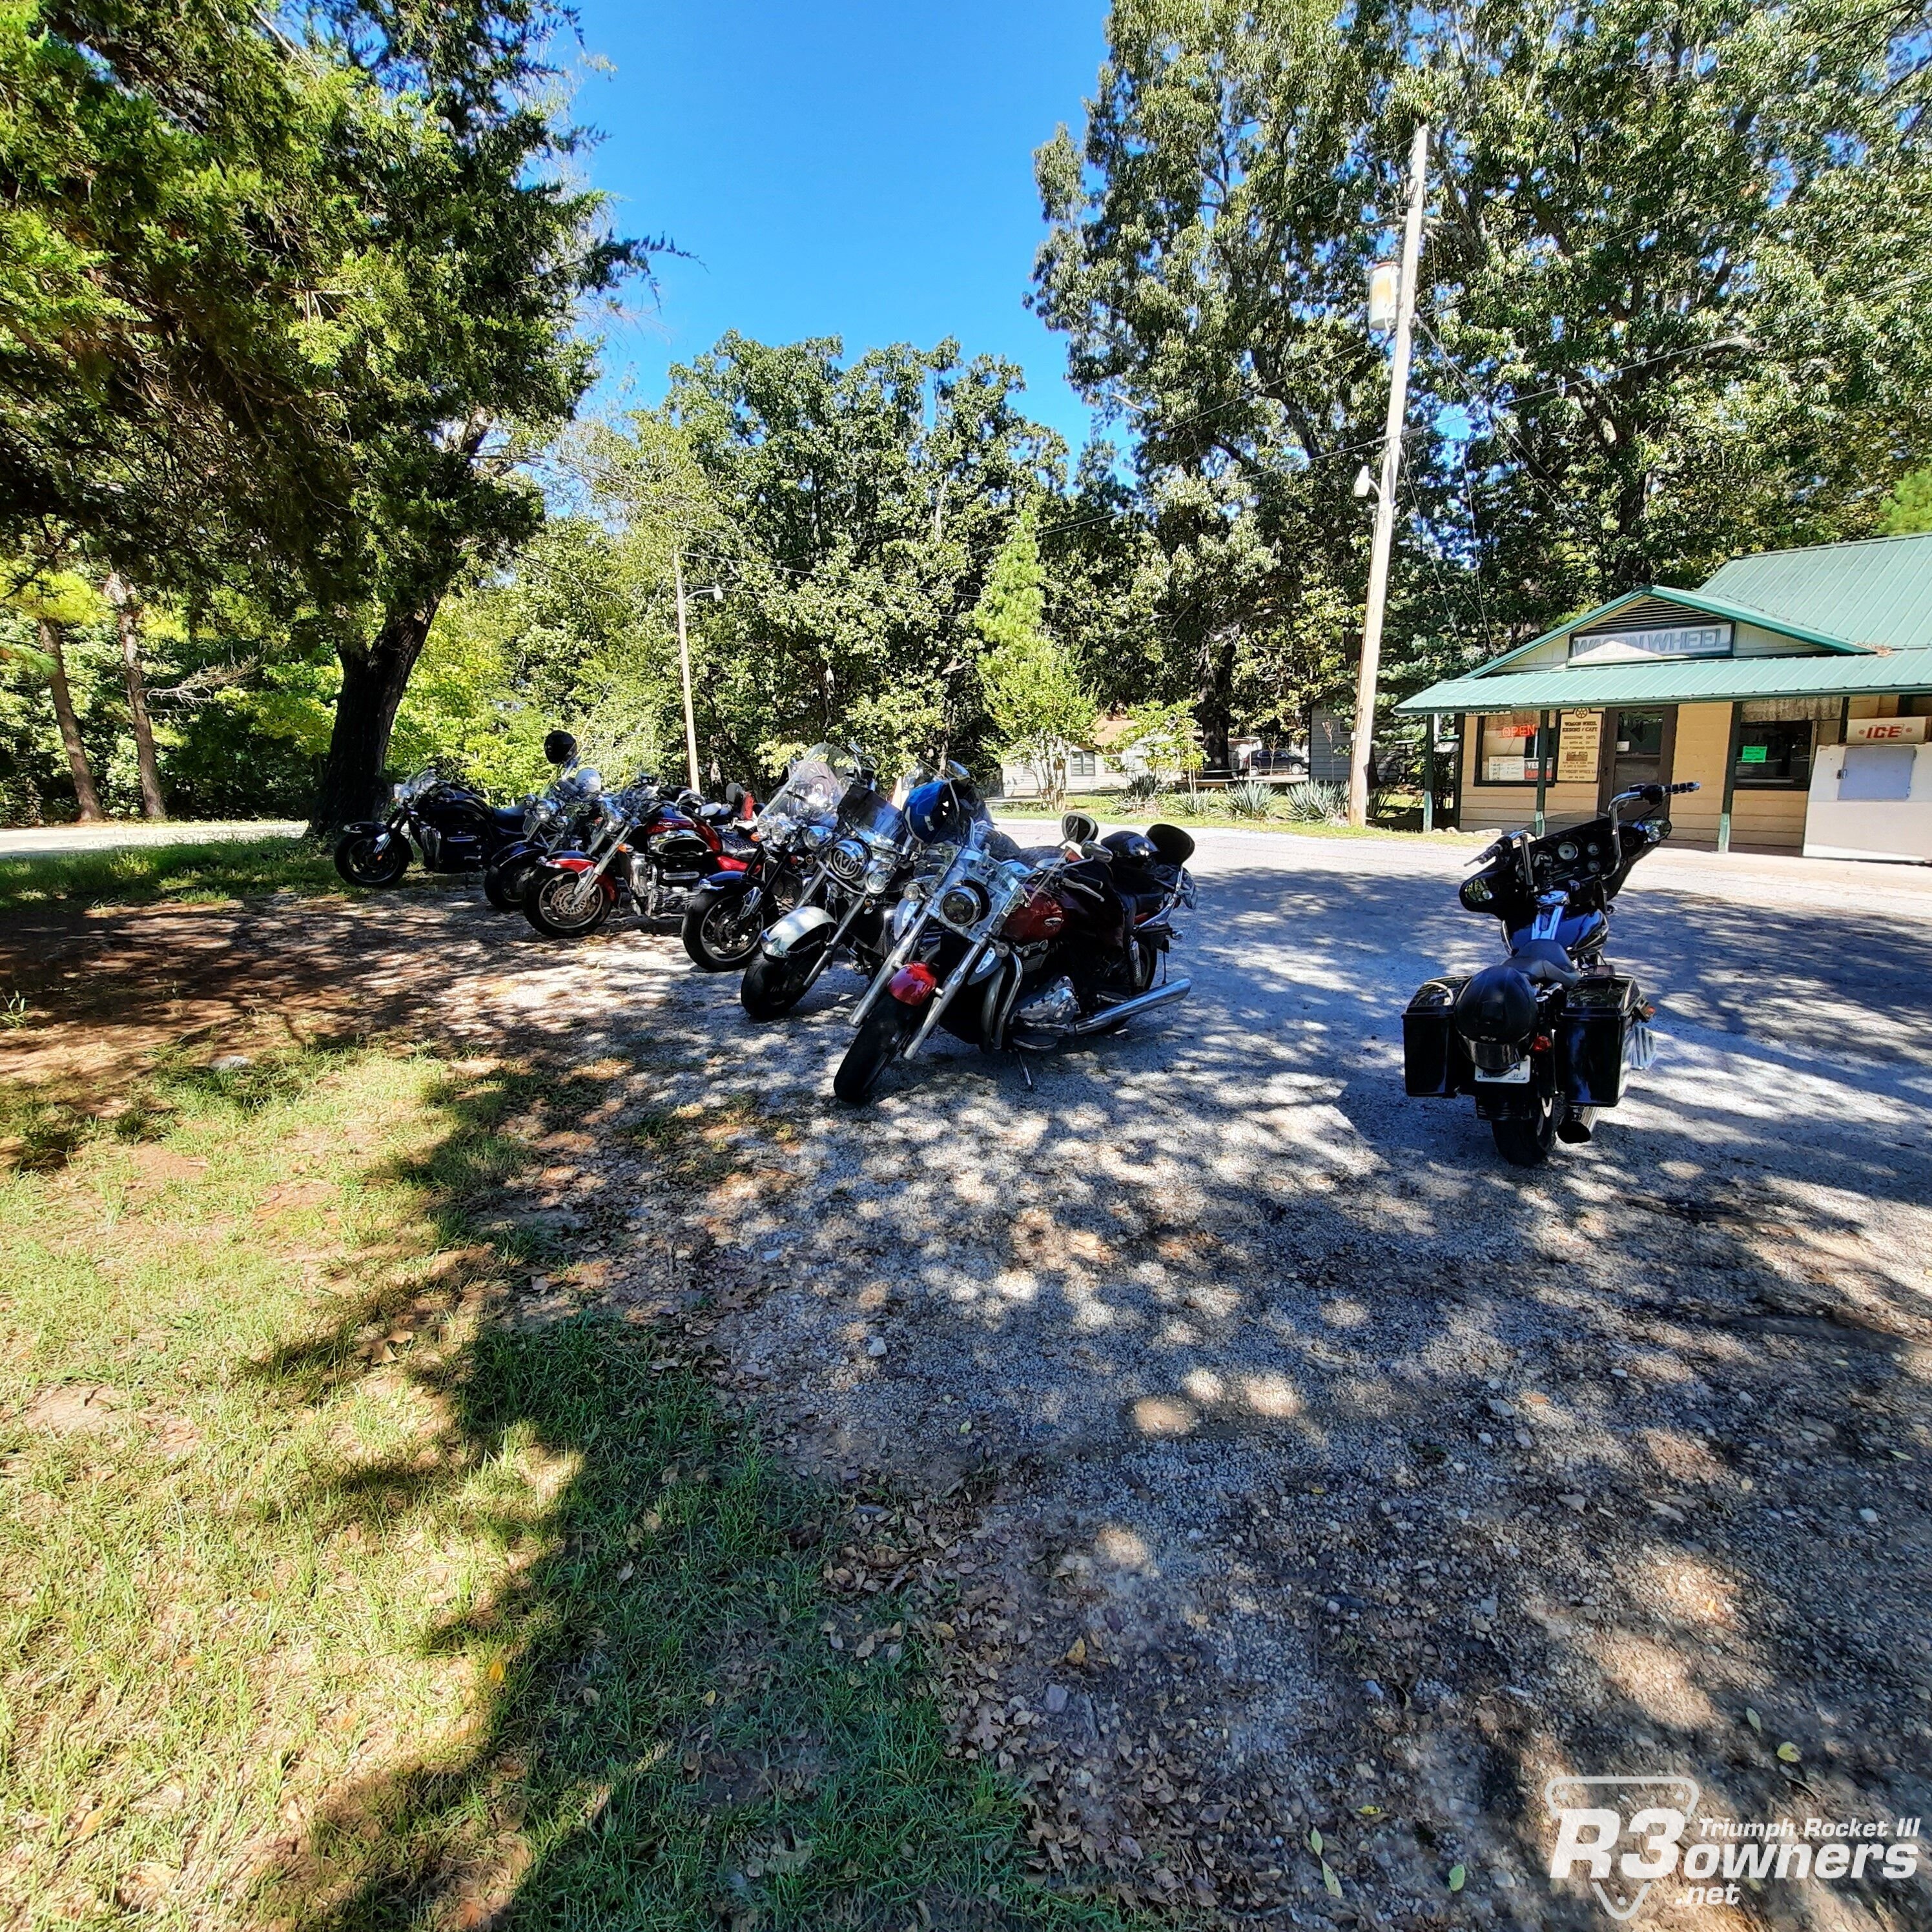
(374, 676)
(88, 798)
(127, 612)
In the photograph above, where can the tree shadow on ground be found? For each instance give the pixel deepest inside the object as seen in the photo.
(662, 1733)
(1309, 1412)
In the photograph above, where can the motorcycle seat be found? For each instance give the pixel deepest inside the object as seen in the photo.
(507, 818)
(1543, 962)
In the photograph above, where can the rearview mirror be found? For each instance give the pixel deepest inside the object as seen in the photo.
(1077, 829)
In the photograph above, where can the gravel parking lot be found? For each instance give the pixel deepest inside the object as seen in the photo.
(1284, 1464)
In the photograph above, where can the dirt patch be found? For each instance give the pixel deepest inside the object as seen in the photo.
(74, 1408)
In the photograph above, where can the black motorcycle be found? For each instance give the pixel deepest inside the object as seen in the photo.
(552, 823)
(862, 868)
(726, 914)
(452, 828)
(1029, 949)
(1544, 1040)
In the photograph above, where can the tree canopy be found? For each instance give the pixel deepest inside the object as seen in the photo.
(1669, 307)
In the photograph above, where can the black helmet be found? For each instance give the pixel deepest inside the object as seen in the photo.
(559, 749)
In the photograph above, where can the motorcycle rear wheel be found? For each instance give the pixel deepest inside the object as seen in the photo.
(772, 987)
(721, 935)
(358, 862)
(551, 905)
(1527, 1143)
(878, 1043)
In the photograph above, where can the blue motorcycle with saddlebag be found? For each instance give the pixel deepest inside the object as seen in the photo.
(1544, 1039)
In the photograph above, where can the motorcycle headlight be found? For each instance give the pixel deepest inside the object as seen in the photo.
(879, 873)
(963, 904)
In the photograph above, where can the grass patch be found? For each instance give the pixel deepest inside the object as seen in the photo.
(223, 868)
(329, 1599)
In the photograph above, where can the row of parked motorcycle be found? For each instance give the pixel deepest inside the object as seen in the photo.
(951, 922)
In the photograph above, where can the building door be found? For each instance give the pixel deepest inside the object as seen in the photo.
(1641, 743)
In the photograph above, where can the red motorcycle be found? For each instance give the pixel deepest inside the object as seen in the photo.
(1026, 949)
(643, 848)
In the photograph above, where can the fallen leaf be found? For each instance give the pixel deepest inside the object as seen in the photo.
(1789, 1753)
(1458, 1875)
(1314, 1841)
(493, 1670)
(1752, 1718)
(1076, 1651)
(1329, 1879)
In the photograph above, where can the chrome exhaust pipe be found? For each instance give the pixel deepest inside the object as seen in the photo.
(1143, 1003)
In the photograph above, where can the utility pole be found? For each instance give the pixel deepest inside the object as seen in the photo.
(684, 664)
(1379, 562)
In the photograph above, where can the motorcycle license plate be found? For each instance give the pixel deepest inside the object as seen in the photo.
(1518, 1075)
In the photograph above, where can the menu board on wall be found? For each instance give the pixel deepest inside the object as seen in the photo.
(1579, 748)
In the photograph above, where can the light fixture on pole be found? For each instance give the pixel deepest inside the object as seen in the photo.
(1384, 294)
(1364, 485)
(716, 594)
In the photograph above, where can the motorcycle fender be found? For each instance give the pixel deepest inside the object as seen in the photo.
(720, 885)
(798, 932)
(729, 867)
(575, 861)
(362, 825)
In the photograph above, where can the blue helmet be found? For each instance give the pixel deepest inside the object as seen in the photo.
(937, 814)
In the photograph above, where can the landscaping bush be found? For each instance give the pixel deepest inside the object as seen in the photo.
(1314, 800)
(1253, 798)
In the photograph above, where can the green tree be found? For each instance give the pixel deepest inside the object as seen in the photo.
(1908, 510)
(1667, 314)
(849, 512)
(56, 600)
(467, 353)
(1034, 696)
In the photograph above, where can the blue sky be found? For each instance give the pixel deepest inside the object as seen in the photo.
(854, 168)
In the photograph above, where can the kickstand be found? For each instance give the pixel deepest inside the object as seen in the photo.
(1027, 1071)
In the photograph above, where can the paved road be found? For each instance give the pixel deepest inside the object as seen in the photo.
(24, 841)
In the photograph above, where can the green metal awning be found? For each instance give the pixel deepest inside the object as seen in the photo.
(1688, 681)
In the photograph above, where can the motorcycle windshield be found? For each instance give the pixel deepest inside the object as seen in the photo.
(812, 790)
(864, 810)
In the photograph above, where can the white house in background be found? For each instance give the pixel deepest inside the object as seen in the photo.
(1101, 766)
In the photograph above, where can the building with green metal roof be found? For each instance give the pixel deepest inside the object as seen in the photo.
(1794, 687)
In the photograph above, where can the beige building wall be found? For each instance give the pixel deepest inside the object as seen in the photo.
(1512, 808)
(1763, 821)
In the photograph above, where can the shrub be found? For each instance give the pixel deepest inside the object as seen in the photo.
(1251, 799)
(1143, 788)
(1314, 799)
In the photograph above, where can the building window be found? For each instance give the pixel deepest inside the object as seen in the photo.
(1507, 749)
(1773, 756)
(1082, 765)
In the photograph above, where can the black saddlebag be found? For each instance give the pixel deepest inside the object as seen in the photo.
(1604, 1029)
(1434, 1060)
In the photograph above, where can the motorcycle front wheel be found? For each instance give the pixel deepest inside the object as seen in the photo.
(359, 862)
(880, 1040)
(721, 934)
(1526, 1143)
(504, 886)
(772, 987)
(560, 906)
